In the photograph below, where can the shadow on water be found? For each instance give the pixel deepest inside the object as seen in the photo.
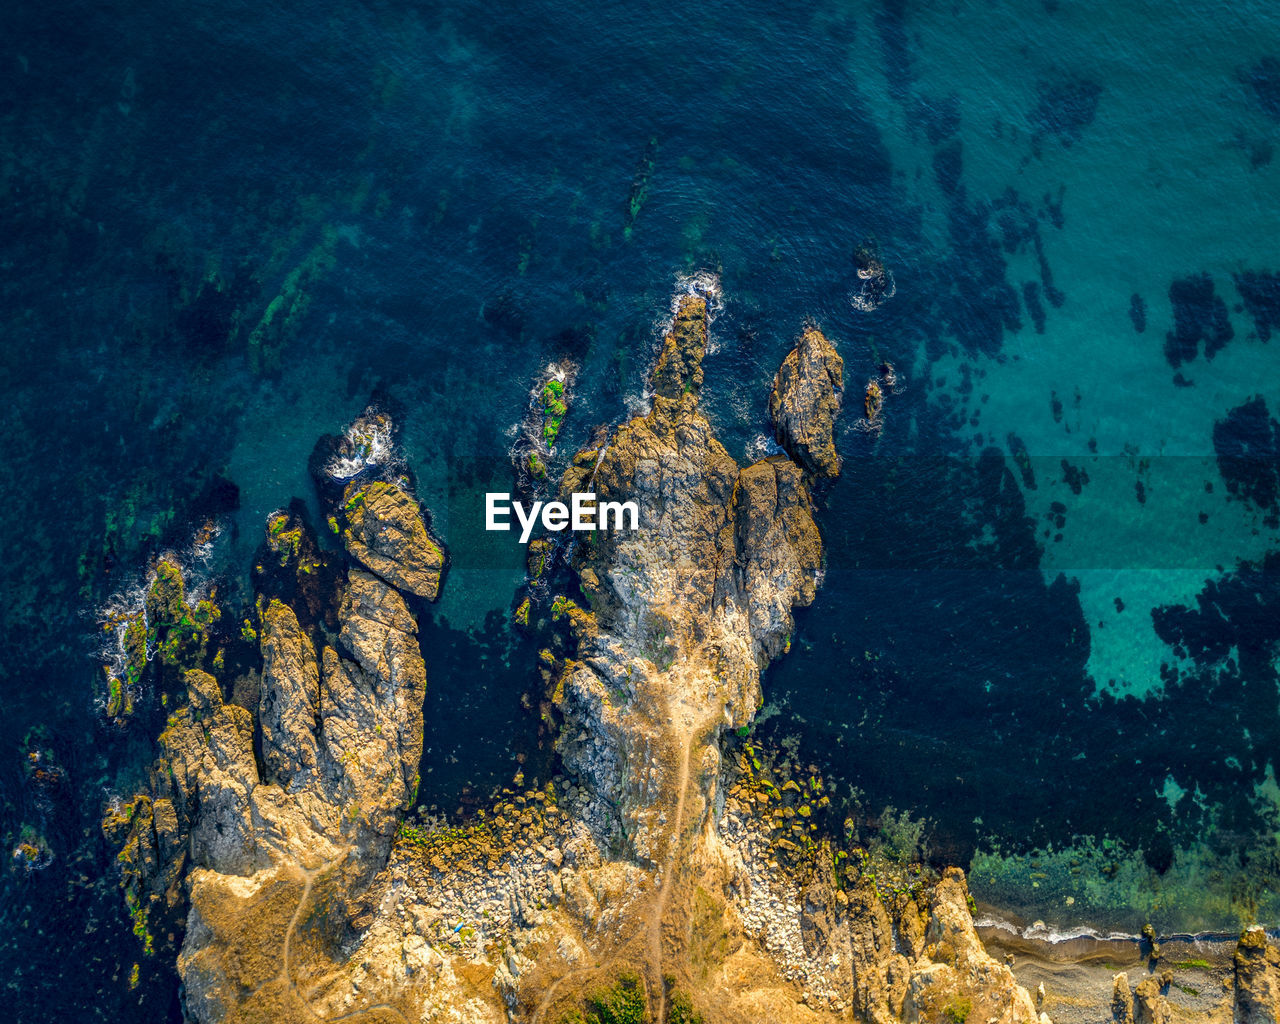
(481, 725)
(942, 672)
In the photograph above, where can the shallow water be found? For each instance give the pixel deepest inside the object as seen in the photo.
(444, 199)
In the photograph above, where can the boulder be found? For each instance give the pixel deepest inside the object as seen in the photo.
(805, 401)
(386, 533)
(1257, 970)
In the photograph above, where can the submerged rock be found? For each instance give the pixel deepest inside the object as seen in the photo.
(805, 402)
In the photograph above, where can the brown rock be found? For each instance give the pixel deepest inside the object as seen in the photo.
(1257, 971)
(1121, 1000)
(289, 703)
(385, 532)
(805, 401)
(1149, 1005)
(342, 741)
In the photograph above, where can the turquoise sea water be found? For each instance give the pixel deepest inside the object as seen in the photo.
(227, 224)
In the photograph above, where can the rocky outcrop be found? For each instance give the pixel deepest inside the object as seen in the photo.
(646, 871)
(1121, 1000)
(1257, 979)
(685, 614)
(1149, 1003)
(1146, 1004)
(341, 741)
(196, 806)
(627, 869)
(385, 532)
(805, 402)
(687, 610)
(954, 977)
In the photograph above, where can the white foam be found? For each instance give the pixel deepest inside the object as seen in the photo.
(761, 447)
(705, 283)
(1038, 931)
(370, 444)
(869, 297)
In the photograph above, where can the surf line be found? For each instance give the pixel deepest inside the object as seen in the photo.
(582, 514)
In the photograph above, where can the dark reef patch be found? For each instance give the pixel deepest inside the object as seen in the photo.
(1247, 444)
(980, 304)
(1262, 78)
(1064, 109)
(940, 117)
(1200, 316)
(1260, 292)
(1235, 626)
(1035, 308)
(208, 324)
(1022, 459)
(1053, 207)
(1074, 477)
(891, 26)
(1138, 312)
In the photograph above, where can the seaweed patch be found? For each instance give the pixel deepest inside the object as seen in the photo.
(1199, 316)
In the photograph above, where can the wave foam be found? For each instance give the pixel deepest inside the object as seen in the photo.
(367, 442)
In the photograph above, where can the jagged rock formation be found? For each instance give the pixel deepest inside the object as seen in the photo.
(196, 801)
(311, 899)
(1257, 978)
(341, 740)
(806, 400)
(385, 533)
(1146, 1004)
(1121, 1000)
(275, 837)
(687, 611)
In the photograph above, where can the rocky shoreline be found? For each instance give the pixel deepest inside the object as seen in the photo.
(669, 873)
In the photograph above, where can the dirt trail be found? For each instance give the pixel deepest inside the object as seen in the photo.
(310, 875)
(671, 865)
(653, 917)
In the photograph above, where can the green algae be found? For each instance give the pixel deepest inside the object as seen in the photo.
(279, 322)
(554, 410)
(181, 632)
(282, 538)
(536, 555)
(901, 838)
(561, 606)
(639, 193)
(1105, 883)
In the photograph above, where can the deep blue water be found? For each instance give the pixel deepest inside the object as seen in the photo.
(1049, 611)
